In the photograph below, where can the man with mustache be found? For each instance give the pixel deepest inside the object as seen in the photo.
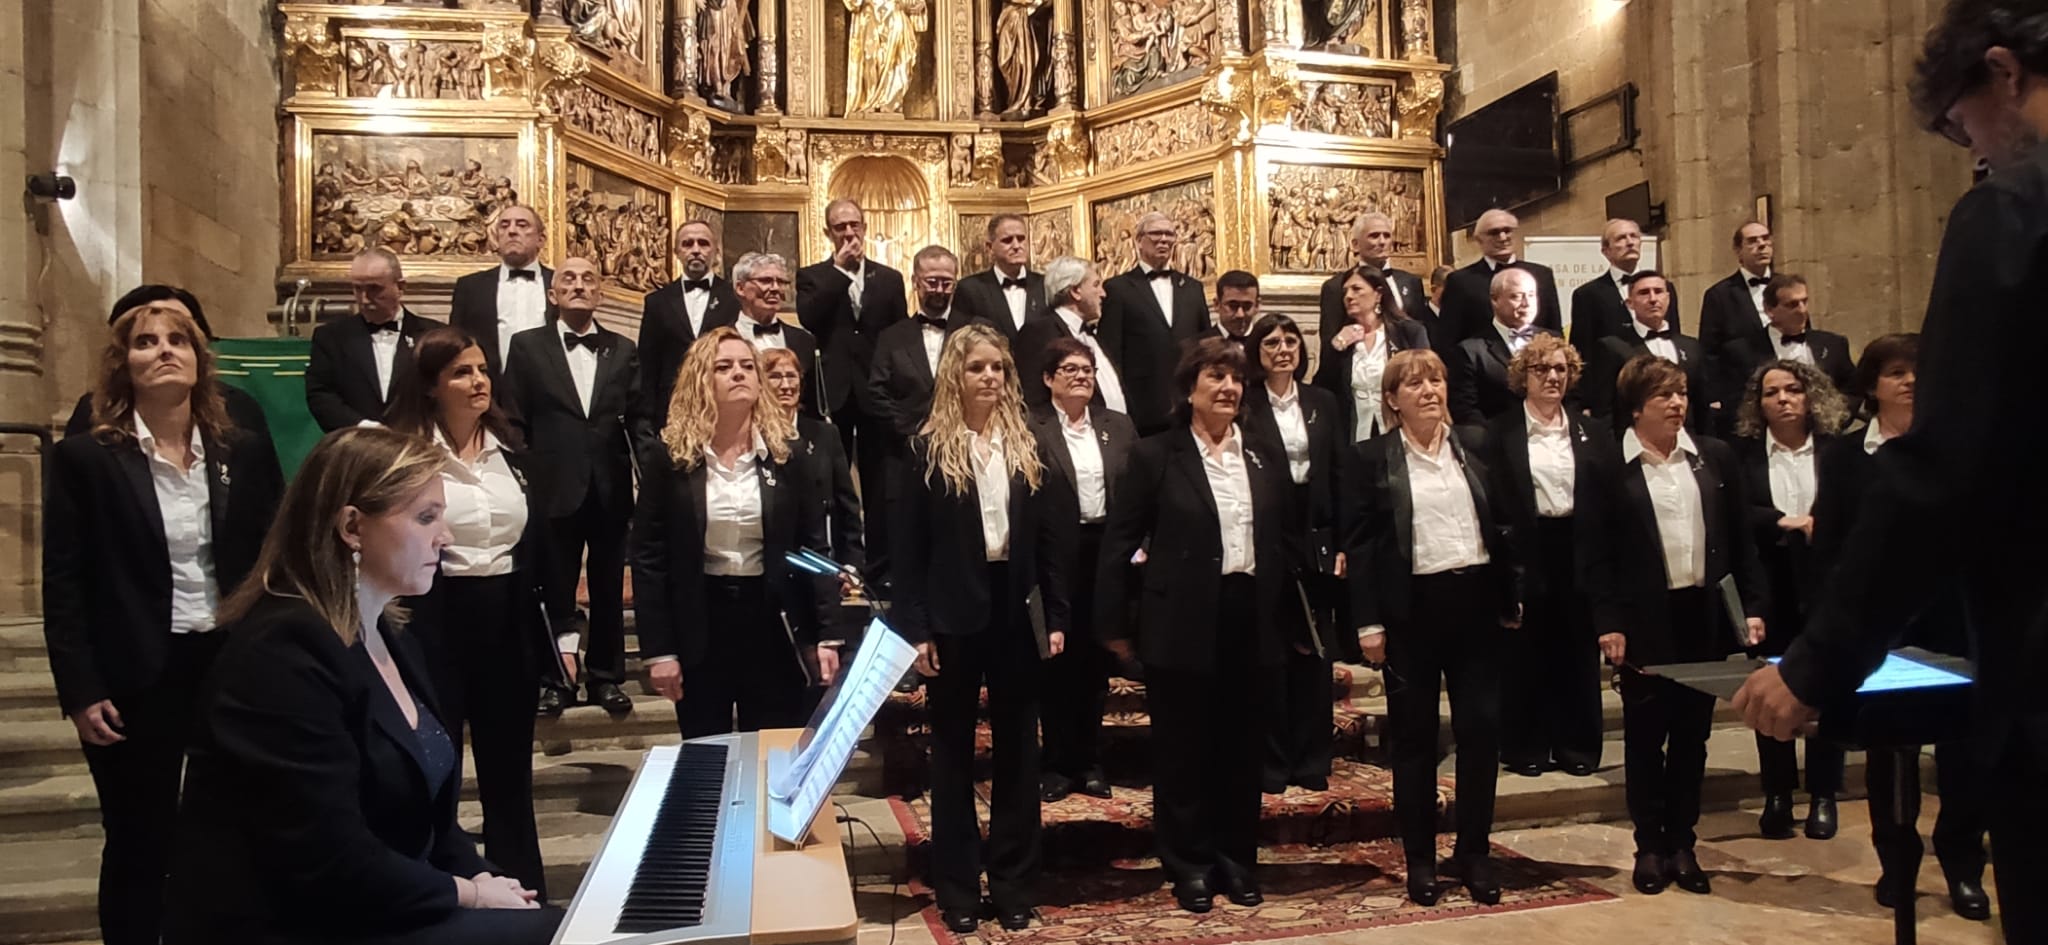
(672, 316)
(348, 378)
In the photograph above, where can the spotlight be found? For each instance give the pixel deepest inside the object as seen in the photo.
(52, 186)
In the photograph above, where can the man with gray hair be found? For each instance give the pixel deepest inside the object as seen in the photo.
(355, 357)
(1468, 294)
(1479, 375)
(1148, 313)
(1372, 241)
(1599, 307)
(1074, 293)
(510, 297)
(763, 281)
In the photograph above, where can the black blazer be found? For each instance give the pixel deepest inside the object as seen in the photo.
(1743, 356)
(1326, 435)
(938, 556)
(1376, 517)
(1627, 580)
(474, 308)
(847, 334)
(1166, 506)
(831, 484)
(1595, 459)
(106, 568)
(1726, 314)
(1479, 378)
(665, 336)
(1787, 558)
(572, 454)
(341, 375)
(307, 813)
(1614, 351)
(981, 295)
(1030, 352)
(804, 345)
(666, 551)
(1333, 368)
(1114, 436)
(1597, 311)
(1468, 298)
(900, 383)
(1145, 348)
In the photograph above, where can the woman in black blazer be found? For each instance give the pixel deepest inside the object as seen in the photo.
(1545, 458)
(320, 800)
(1303, 425)
(728, 630)
(982, 530)
(824, 460)
(1657, 600)
(152, 516)
(1354, 359)
(1884, 380)
(1787, 417)
(1089, 447)
(1211, 507)
(1434, 580)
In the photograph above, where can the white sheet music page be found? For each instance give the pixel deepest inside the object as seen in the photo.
(796, 793)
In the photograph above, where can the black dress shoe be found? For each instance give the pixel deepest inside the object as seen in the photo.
(1820, 818)
(1968, 898)
(1687, 875)
(609, 696)
(1014, 920)
(1775, 823)
(1094, 785)
(1480, 880)
(960, 921)
(1054, 787)
(551, 702)
(1243, 892)
(1887, 892)
(1649, 876)
(1527, 769)
(1193, 895)
(1579, 769)
(1314, 782)
(1422, 888)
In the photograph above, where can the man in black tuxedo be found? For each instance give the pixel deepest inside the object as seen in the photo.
(575, 385)
(763, 280)
(1468, 293)
(1734, 307)
(1148, 313)
(1790, 336)
(1649, 297)
(1372, 241)
(511, 297)
(1237, 306)
(907, 355)
(1479, 376)
(1599, 306)
(846, 302)
(355, 357)
(1008, 295)
(672, 316)
(1074, 290)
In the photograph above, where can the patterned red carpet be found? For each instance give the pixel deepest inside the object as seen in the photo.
(1326, 867)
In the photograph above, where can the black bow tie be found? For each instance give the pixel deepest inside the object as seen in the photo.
(1157, 274)
(697, 285)
(518, 274)
(1759, 280)
(1011, 283)
(1666, 333)
(1090, 328)
(771, 328)
(932, 321)
(1798, 339)
(390, 326)
(570, 340)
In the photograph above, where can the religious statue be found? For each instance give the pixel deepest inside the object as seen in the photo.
(1354, 27)
(725, 27)
(881, 46)
(1018, 56)
(1415, 30)
(610, 24)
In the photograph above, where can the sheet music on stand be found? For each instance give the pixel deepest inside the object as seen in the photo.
(800, 781)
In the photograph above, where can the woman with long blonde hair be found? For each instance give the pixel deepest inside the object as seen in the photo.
(980, 532)
(727, 631)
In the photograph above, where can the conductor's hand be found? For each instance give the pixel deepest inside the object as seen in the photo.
(1374, 646)
(1756, 631)
(99, 724)
(1769, 706)
(666, 678)
(927, 664)
(828, 664)
(502, 892)
(1056, 642)
(1614, 647)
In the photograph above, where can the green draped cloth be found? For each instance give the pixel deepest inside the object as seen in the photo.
(273, 370)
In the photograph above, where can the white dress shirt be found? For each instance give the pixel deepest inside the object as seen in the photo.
(762, 340)
(522, 304)
(1681, 517)
(384, 350)
(992, 488)
(1445, 526)
(1368, 368)
(1662, 347)
(1873, 437)
(1162, 290)
(1552, 468)
(1231, 484)
(187, 511)
(1756, 293)
(1796, 351)
(1620, 280)
(1106, 380)
(1014, 295)
(859, 283)
(732, 513)
(695, 302)
(1089, 478)
(486, 511)
(1792, 475)
(934, 342)
(1293, 431)
(582, 362)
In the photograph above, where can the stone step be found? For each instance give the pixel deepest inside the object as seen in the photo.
(49, 891)
(27, 695)
(21, 646)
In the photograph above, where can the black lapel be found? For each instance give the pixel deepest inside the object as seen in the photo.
(1515, 453)
(694, 481)
(1709, 482)
(1395, 449)
(1189, 462)
(609, 364)
(135, 469)
(1115, 449)
(1034, 297)
(1645, 517)
(1144, 284)
(1475, 484)
(364, 354)
(485, 330)
(218, 481)
(384, 709)
(772, 508)
(1498, 350)
(555, 362)
(1062, 457)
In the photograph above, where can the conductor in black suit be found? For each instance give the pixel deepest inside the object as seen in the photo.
(1600, 306)
(763, 279)
(1480, 388)
(1733, 308)
(354, 357)
(1008, 295)
(575, 387)
(672, 316)
(1148, 313)
(511, 297)
(1649, 299)
(1789, 337)
(1466, 308)
(1074, 291)
(1372, 241)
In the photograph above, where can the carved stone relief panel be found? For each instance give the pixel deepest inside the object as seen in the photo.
(618, 223)
(617, 28)
(606, 118)
(760, 231)
(1177, 130)
(1310, 210)
(1153, 43)
(732, 159)
(1352, 109)
(412, 195)
(378, 67)
(1191, 205)
(1052, 236)
(974, 256)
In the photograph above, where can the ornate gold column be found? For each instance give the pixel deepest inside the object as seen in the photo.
(984, 61)
(1066, 74)
(768, 75)
(682, 83)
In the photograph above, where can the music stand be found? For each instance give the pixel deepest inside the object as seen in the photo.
(1914, 698)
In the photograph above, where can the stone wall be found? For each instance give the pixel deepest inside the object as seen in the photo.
(1802, 102)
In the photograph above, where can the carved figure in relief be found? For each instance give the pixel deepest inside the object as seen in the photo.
(960, 160)
(1194, 34)
(1018, 56)
(725, 27)
(608, 24)
(1415, 30)
(1353, 26)
(797, 155)
(881, 52)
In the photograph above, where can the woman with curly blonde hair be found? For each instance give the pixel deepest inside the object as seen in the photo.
(981, 531)
(1788, 416)
(718, 509)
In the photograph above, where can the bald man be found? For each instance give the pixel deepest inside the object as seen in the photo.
(1148, 312)
(672, 316)
(1598, 306)
(1372, 242)
(510, 297)
(1468, 306)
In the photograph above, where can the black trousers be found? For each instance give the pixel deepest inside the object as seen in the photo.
(2019, 833)
(1077, 681)
(1552, 711)
(480, 644)
(1958, 829)
(138, 781)
(1779, 766)
(1298, 721)
(870, 453)
(1664, 741)
(750, 678)
(1453, 634)
(1003, 656)
(1206, 737)
(601, 532)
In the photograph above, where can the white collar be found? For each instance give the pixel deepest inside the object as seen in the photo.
(1287, 400)
(1148, 269)
(505, 272)
(1778, 337)
(1642, 330)
(1771, 445)
(947, 315)
(1536, 424)
(146, 441)
(1873, 437)
(590, 329)
(1230, 444)
(490, 443)
(1498, 266)
(1001, 275)
(1508, 334)
(1082, 426)
(759, 452)
(1632, 447)
(1443, 445)
(1617, 275)
(753, 323)
(1745, 275)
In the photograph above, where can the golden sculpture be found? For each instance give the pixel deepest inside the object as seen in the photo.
(1017, 56)
(727, 28)
(881, 46)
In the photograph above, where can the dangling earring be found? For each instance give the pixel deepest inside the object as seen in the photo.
(355, 569)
